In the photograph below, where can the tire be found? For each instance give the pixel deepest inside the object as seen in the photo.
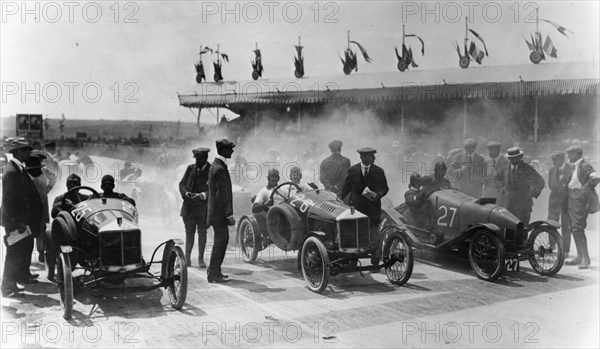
(65, 285)
(177, 270)
(535, 57)
(402, 65)
(249, 241)
(285, 212)
(64, 230)
(545, 250)
(486, 255)
(315, 265)
(464, 62)
(396, 246)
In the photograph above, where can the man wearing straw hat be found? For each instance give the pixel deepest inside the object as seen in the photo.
(557, 202)
(465, 172)
(520, 185)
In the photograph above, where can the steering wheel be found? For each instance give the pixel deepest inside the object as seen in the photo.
(289, 193)
(76, 190)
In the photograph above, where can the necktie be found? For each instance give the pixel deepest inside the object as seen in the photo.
(365, 172)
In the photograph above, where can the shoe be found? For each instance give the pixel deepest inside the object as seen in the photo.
(574, 261)
(33, 276)
(202, 265)
(12, 291)
(218, 280)
(585, 264)
(224, 276)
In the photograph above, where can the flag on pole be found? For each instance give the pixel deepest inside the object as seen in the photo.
(364, 52)
(480, 39)
(558, 27)
(421, 40)
(549, 47)
(530, 44)
(475, 53)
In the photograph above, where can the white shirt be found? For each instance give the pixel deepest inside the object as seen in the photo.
(574, 183)
(222, 159)
(264, 195)
(363, 168)
(19, 164)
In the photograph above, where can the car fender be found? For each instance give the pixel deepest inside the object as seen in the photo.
(406, 234)
(548, 222)
(258, 222)
(487, 226)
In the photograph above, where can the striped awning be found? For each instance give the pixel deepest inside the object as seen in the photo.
(519, 81)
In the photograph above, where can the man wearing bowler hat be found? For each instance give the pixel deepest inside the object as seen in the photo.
(582, 200)
(220, 209)
(194, 192)
(557, 202)
(466, 170)
(366, 184)
(520, 185)
(334, 167)
(18, 198)
(494, 162)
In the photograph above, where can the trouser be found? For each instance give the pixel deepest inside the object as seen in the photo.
(521, 210)
(192, 224)
(218, 251)
(578, 214)
(565, 226)
(26, 252)
(12, 263)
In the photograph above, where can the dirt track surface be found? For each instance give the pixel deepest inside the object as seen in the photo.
(268, 304)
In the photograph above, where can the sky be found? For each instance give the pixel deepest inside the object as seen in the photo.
(129, 59)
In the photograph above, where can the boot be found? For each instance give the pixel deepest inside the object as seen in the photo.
(201, 249)
(50, 267)
(585, 256)
(189, 244)
(576, 260)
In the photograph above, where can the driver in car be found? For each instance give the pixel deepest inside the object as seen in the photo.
(72, 198)
(263, 201)
(108, 185)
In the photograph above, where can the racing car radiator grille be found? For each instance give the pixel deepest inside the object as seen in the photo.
(120, 248)
(354, 233)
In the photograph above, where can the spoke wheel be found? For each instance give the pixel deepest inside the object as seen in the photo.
(248, 241)
(65, 285)
(546, 254)
(398, 249)
(177, 272)
(315, 264)
(486, 254)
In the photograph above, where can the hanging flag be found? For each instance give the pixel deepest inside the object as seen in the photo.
(406, 55)
(457, 49)
(549, 47)
(421, 40)
(225, 57)
(558, 27)
(475, 53)
(480, 39)
(364, 52)
(200, 72)
(299, 62)
(206, 49)
(218, 76)
(412, 60)
(530, 44)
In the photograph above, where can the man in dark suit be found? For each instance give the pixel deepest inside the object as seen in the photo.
(466, 170)
(494, 162)
(520, 185)
(33, 168)
(557, 202)
(582, 200)
(16, 215)
(366, 184)
(333, 168)
(194, 192)
(220, 208)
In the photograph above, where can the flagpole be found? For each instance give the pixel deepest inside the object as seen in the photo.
(402, 34)
(218, 54)
(466, 30)
(348, 39)
(537, 21)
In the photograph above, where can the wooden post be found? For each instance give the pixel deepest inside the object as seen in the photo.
(464, 117)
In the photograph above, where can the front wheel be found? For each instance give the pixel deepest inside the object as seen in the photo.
(315, 264)
(398, 250)
(486, 254)
(177, 273)
(249, 241)
(545, 251)
(65, 285)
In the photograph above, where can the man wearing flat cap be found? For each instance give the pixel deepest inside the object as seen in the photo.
(520, 184)
(19, 201)
(557, 202)
(194, 192)
(582, 200)
(333, 168)
(494, 162)
(366, 184)
(107, 184)
(466, 170)
(220, 209)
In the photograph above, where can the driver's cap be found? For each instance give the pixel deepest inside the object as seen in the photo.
(108, 178)
(73, 178)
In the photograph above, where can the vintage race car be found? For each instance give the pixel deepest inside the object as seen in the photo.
(331, 237)
(100, 240)
(494, 237)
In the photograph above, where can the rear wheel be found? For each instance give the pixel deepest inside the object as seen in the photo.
(177, 272)
(546, 254)
(398, 249)
(249, 241)
(315, 264)
(486, 254)
(65, 285)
